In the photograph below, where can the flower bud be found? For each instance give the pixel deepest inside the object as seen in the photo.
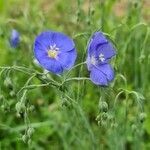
(66, 103)
(8, 83)
(114, 125)
(2, 107)
(30, 131)
(14, 38)
(24, 138)
(31, 108)
(5, 107)
(1, 97)
(142, 117)
(103, 106)
(142, 58)
(102, 123)
(98, 118)
(12, 93)
(134, 128)
(20, 107)
(29, 142)
(104, 116)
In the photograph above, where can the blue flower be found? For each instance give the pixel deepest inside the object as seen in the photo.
(55, 51)
(14, 38)
(100, 51)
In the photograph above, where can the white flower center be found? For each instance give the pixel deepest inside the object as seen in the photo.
(101, 57)
(53, 51)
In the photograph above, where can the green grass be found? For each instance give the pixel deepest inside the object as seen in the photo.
(73, 119)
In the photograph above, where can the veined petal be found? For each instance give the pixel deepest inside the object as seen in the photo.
(67, 59)
(63, 42)
(107, 70)
(89, 63)
(98, 77)
(107, 50)
(97, 39)
(51, 65)
(55, 51)
(43, 41)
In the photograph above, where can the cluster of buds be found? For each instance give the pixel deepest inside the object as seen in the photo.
(26, 138)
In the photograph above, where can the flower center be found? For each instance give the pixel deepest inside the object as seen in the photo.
(93, 60)
(53, 51)
(101, 57)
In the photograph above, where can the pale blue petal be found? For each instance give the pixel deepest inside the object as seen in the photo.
(51, 65)
(63, 42)
(43, 41)
(107, 50)
(98, 77)
(107, 70)
(97, 39)
(67, 59)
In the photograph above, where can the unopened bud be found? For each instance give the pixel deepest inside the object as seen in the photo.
(114, 125)
(1, 97)
(31, 108)
(30, 131)
(102, 123)
(104, 116)
(12, 93)
(98, 118)
(134, 128)
(66, 103)
(141, 58)
(103, 106)
(8, 83)
(24, 138)
(29, 142)
(20, 107)
(142, 117)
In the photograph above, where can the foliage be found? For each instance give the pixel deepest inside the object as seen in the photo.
(42, 111)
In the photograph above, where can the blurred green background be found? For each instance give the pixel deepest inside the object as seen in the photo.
(89, 117)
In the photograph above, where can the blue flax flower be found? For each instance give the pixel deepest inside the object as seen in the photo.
(14, 38)
(100, 51)
(55, 51)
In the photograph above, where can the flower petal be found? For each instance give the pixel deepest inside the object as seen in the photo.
(98, 77)
(97, 39)
(63, 42)
(67, 59)
(107, 50)
(15, 38)
(43, 41)
(51, 65)
(107, 70)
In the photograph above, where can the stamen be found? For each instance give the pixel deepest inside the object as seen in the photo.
(53, 51)
(101, 57)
